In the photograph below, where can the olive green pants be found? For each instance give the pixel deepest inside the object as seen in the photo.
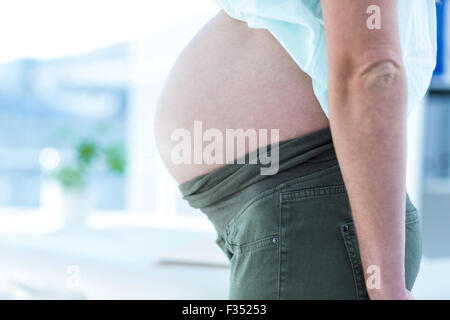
(291, 235)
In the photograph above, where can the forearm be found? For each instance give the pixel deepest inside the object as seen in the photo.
(368, 124)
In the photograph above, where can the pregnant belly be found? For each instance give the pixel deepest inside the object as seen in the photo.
(231, 77)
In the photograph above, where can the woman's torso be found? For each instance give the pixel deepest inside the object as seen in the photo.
(230, 77)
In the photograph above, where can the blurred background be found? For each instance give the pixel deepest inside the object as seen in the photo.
(87, 211)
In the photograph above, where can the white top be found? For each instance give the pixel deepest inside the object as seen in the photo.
(298, 26)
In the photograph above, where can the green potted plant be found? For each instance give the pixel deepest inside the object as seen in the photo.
(74, 178)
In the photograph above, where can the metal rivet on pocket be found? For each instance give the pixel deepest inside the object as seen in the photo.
(345, 228)
(275, 239)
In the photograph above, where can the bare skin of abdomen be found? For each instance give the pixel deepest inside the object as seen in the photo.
(228, 77)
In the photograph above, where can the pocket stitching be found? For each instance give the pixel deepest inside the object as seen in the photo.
(252, 246)
(411, 217)
(356, 265)
(314, 192)
(223, 246)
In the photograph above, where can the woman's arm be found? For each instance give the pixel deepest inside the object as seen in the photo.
(367, 107)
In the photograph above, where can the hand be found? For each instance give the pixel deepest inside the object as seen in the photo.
(411, 297)
(380, 295)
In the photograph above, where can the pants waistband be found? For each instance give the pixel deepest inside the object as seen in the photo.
(221, 193)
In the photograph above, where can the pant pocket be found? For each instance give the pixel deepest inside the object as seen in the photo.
(314, 261)
(254, 270)
(413, 251)
(253, 241)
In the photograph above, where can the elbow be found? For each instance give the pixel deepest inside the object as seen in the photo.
(380, 75)
(370, 93)
(368, 74)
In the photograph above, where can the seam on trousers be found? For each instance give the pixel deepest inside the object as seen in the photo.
(314, 192)
(280, 236)
(411, 217)
(251, 247)
(355, 263)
